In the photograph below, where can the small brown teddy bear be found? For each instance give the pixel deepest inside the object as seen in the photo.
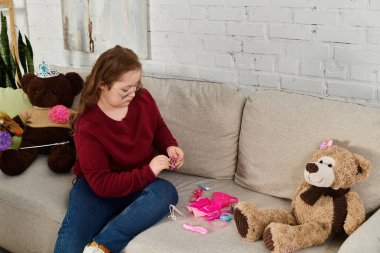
(47, 124)
(322, 205)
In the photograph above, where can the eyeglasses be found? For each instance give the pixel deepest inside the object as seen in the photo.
(137, 87)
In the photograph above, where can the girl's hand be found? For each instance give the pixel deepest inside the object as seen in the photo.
(178, 154)
(159, 163)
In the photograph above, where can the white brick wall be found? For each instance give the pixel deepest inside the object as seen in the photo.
(326, 47)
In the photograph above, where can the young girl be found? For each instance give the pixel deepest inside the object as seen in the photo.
(117, 193)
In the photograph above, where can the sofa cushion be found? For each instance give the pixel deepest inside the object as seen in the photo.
(169, 237)
(13, 101)
(365, 239)
(33, 204)
(280, 130)
(217, 108)
(32, 207)
(205, 119)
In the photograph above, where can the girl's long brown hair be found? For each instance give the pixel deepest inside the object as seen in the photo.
(108, 68)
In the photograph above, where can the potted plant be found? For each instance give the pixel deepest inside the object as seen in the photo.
(10, 70)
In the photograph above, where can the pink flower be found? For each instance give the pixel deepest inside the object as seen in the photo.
(59, 114)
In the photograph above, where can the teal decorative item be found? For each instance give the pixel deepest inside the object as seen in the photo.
(45, 71)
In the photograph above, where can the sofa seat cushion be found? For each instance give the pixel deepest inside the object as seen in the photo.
(168, 236)
(280, 130)
(205, 119)
(365, 239)
(32, 207)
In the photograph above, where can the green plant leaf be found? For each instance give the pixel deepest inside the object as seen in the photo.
(29, 61)
(13, 73)
(5, 53)
(6, 74)
(3, 74)
(5, 40)
(21, 52)
(1, 33)
(29, 55)
(10, 70)
(29, 46)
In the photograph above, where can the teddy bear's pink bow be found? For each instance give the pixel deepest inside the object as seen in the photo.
(326, 144)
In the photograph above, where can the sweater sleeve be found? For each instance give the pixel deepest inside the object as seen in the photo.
(163, 138)
(94, 162)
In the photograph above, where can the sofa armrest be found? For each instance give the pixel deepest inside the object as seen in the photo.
(366, 238)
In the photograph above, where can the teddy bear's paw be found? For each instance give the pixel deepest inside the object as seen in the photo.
(61, 164)
(241, 223)
(61, 158)
(12, 163)
(247, 219)
(268, 241)
(275, 240)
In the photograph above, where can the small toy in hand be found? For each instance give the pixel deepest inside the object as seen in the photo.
(7, 128)
(172, 162)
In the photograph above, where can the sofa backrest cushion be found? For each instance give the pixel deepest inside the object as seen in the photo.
(280, 130)
(13, 101)
(205, 119)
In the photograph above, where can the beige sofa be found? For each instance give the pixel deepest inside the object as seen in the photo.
(254, 148)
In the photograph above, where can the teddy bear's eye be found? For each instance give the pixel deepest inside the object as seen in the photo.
(330, 165)
(320, 161)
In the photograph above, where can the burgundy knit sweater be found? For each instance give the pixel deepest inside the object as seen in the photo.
(114, 156)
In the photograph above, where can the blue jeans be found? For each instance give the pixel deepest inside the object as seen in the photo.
(111, 222)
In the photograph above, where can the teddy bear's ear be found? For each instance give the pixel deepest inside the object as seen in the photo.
(26, 78)
(364, 168)
(76, 82)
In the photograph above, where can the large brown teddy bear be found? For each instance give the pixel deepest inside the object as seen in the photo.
(322, 205)
(47, 124)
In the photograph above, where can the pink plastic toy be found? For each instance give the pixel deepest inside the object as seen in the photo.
(194, 207)
(172, 161)
(223, 199)
(200, 230)
(211, 209)
(197, 193)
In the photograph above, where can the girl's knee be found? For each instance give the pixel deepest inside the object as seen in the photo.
(165, 190)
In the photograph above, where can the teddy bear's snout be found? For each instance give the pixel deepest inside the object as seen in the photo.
(311, 167)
